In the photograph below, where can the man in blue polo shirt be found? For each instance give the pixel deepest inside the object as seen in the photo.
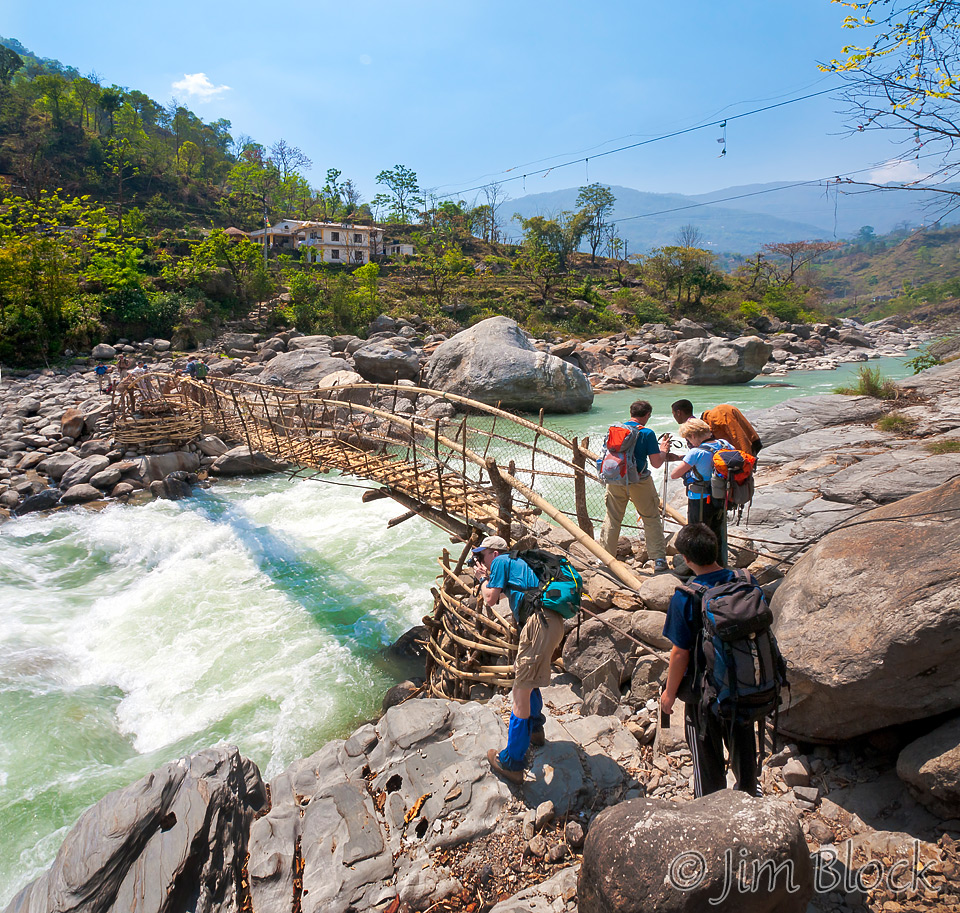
(642, 493)
(540, 636)
(706, 732)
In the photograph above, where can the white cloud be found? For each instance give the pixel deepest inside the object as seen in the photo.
(366, 59)
(197, 85)
(897, 170)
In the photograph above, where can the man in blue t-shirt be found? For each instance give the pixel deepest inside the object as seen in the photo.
(540, 636)
(643, 493)
(706, 733)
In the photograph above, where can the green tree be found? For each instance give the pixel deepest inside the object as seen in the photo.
(443, 261)
(540, 266)
(561, 235)
(404, 197)
(596, 202)
(10, 62)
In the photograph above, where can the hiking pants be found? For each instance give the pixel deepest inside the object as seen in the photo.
(645, 499)
(699, 510)
(706, 736)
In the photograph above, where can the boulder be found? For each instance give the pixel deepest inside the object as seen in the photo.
(303, 369)
(84, 470)
(103, 352)
(657, 591)
(107, 478)
(600, 642)
(718, 361)
(930, 767)
(211, 445)
(309, 342)
(43, 500)
(72, 423)
(387, 361)
(495, 363)
(176, 839)
(663, 857)
(154, 467)
(80, 493)
(869, 620)
(242, 461)
(630, 375)
(241, 342)
(171, 488)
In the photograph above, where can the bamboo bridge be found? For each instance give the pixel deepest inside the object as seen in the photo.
(485, 472)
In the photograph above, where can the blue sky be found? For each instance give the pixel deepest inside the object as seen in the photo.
(468, 92)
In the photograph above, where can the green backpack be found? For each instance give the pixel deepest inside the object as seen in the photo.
(202, 370)
(561, 587)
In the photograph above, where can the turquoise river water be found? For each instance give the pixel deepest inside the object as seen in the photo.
(254, 613)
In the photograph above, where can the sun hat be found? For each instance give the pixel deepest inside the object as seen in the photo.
(495, 542)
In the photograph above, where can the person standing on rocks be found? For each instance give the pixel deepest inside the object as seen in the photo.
(706, 733)
(642, 493)
(696, 470)
(539, 638)
(726, 422)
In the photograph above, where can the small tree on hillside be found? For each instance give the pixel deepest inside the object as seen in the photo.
(596, 203)
(798, 254)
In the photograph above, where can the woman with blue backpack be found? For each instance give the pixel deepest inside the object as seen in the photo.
(697, 471)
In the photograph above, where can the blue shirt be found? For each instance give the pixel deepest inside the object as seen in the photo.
(684, 619)
(701, 459)
(510, 575)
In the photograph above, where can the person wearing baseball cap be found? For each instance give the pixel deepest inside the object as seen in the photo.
(540, 636)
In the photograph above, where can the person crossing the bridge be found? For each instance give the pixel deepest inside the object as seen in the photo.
(497, 572)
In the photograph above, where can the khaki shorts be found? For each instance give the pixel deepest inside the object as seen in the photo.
(540, 637)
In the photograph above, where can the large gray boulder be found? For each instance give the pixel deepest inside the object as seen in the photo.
(869, 620)
(303, 369)
(386, 361)
(242, 461)
(174, 840)
(656, 856)
(495, 363)
(154, 467)
(718, 361)
(57, 464)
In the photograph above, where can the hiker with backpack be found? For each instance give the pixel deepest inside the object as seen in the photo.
(697, 471)
(724, 665)
(539, 606)
(726, 422)
(622, 468)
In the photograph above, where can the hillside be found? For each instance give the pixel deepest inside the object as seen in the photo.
(747, 217)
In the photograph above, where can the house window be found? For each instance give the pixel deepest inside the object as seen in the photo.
(358, 239)
(334, 236)
(358, 256)
(334, 254)
(313, 235)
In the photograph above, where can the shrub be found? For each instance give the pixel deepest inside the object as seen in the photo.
(870, 382)
(896, 423)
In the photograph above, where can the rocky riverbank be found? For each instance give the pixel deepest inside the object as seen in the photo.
(405, 814)
(55, 425)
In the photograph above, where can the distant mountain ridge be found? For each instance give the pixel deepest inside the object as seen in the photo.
(741, 219)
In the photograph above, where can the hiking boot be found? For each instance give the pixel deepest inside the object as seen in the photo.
(514, 776)
(538, 737)
(660, 565)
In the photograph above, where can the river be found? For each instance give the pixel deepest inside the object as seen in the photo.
(254, 613)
